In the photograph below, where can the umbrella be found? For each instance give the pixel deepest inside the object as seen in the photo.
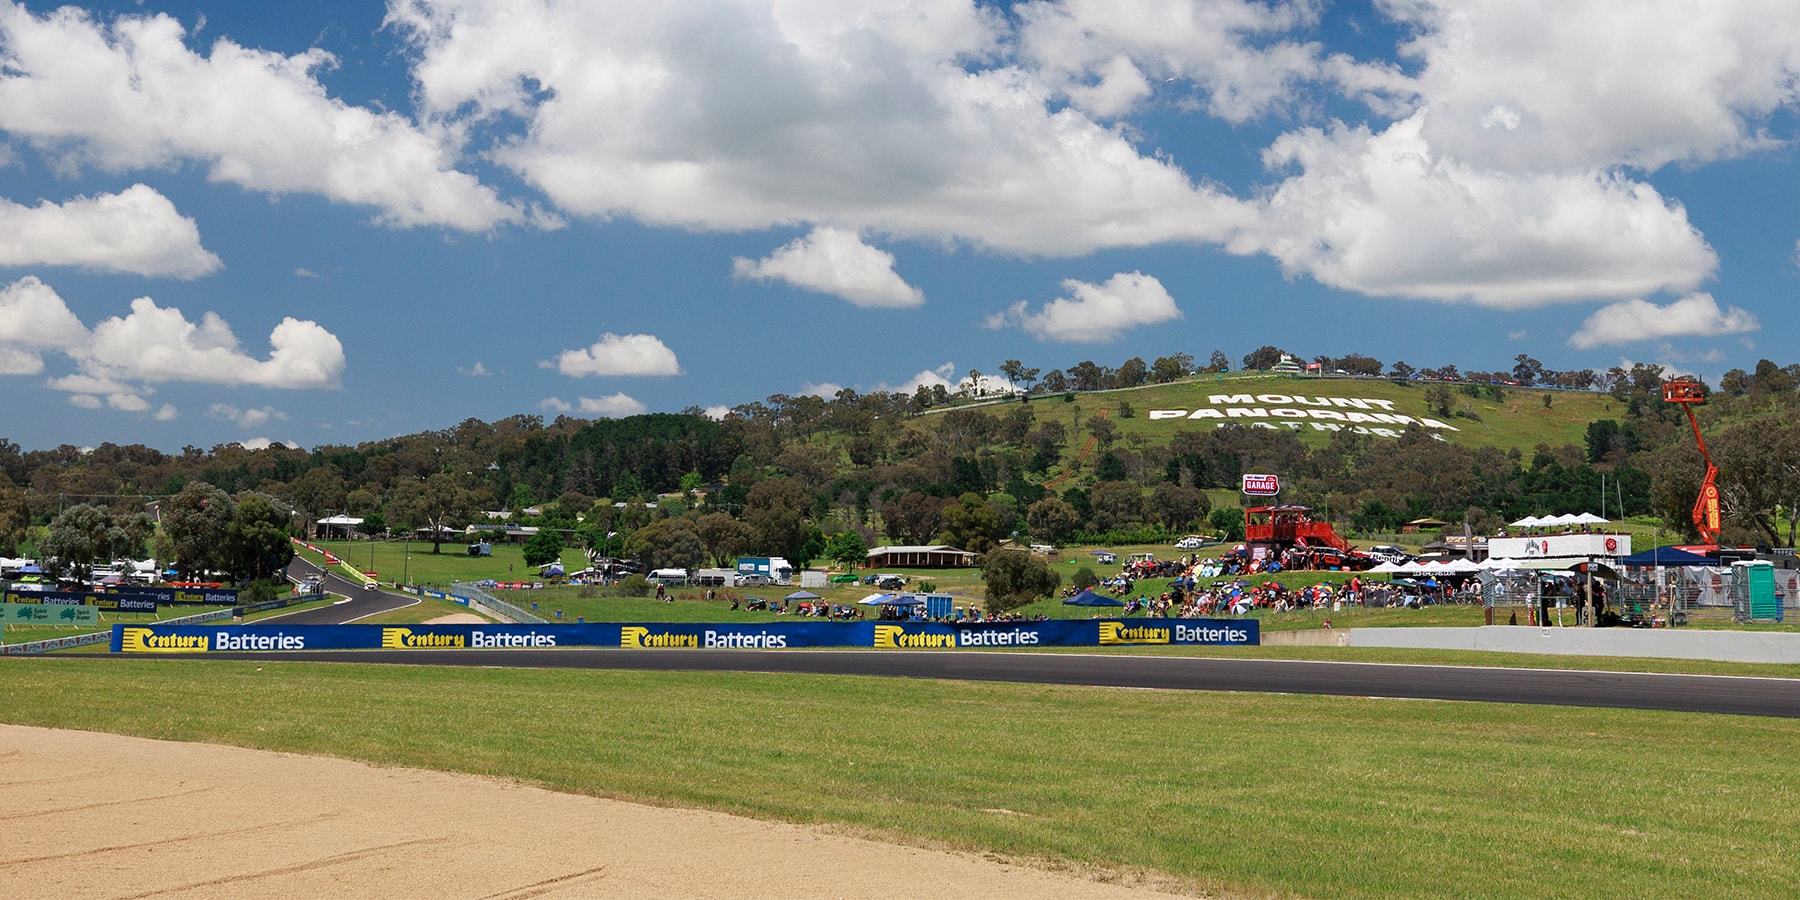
(1588, 518)
(1528, 522)
(1089, 598)
(802, 595)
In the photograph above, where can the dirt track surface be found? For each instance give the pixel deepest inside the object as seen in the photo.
(99, 815)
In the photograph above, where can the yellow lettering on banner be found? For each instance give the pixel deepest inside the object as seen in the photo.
(1120, 633)
(144, 640)
(407, 639)
(641, 638)
(894, 637)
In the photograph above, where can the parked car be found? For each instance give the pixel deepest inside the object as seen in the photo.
(1388, 553)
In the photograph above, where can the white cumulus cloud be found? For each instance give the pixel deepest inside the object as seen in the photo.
(902, 119)
(126, 92)
(19, 361)
(157, 344)
(1572, 85)
(136, 230)
(1694, 315)
(1384, 214)
(1094, 313)
(263, 443)
(611, 406)
(619, 354)
(835, 261)
(32, 314)
(1104, 54)
(121, 357)
(245, 418)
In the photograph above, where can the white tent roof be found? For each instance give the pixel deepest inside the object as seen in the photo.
(1456, 567)
(1528, 522)
(1588, 518)
(1386, 568)
(341, 520)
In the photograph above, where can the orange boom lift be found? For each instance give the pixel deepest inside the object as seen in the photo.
(1688, 392)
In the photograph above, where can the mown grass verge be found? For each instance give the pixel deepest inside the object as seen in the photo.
(1224, 792)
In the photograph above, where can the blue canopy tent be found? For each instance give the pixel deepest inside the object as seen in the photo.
(802, 595)
(1667, 556)
(1089, 598)
(899, 600)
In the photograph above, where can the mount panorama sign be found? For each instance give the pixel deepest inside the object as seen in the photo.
(1363, 415)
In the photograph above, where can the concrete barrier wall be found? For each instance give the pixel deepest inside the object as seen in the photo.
(1668, 643)
(1308, 637)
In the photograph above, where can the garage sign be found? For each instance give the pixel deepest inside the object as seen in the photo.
(1262, 485)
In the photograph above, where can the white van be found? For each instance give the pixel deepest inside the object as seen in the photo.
(669, 576)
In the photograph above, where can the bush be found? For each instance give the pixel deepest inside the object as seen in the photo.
(1084, 579)
(1014, 578)
(928, 587)
(258, 592)
(633, 586)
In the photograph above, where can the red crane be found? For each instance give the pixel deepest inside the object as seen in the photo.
(1688, 393)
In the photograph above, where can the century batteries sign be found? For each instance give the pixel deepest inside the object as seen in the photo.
(1362, 415)
(187, 596)
(108, 602)
(655, 636)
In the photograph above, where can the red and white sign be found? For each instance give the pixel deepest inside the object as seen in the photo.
(1262, 485)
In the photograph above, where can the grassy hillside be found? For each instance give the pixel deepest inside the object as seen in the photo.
(1519, 419)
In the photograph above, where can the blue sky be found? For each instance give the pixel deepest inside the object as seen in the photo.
(335, 222)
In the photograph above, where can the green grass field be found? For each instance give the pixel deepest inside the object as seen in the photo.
(1519, 420)
(1237, 793)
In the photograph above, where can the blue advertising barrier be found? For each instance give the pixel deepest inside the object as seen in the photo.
(99, 600)
(184, 596)
(771, 636)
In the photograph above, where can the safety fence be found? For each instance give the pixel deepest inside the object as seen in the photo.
(473, 596)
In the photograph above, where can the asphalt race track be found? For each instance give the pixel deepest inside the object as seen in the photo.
(360, 604)
(1559, 687)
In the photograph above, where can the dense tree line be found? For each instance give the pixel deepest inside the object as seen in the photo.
(810, 477)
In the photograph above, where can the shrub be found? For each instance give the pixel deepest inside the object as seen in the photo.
(633, 586)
